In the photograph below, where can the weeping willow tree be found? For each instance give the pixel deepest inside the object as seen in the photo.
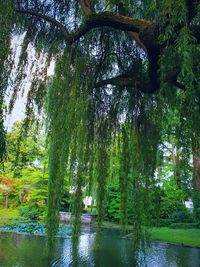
(121, 66)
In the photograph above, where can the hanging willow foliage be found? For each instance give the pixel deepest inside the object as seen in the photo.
(68, 110)
(118, 76)
(57, 109)
(124, 179)
(6, 13)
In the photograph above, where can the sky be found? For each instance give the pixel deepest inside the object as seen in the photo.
(18, 112)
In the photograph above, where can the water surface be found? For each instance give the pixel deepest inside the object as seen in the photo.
(19, 250)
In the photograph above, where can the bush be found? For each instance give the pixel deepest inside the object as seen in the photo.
(113, 203)
(182, 215)
(112, 208)
(184, 225)
(91, 212)
(31, 211)
(196, 201)
(162, 222)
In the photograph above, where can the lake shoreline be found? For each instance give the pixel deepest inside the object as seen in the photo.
(162, 242)
(160, 235)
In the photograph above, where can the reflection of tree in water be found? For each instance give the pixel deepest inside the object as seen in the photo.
(27, 250)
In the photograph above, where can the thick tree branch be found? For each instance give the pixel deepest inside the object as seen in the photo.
(136, 38)
(116, 21)
(47, 18)
(86, 7)
(172, 77)
(125, 81)
(105, 19)
(144, 32)
(122, 10)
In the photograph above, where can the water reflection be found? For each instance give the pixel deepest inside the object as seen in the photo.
(17, 250)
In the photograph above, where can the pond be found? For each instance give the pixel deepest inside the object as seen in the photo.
(20, 250)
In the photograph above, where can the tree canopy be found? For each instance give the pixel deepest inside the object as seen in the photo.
(124, 69)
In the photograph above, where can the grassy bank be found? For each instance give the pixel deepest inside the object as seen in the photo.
(189, 237)
(9, 213)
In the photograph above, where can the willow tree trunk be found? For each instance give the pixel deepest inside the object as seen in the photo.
(196, 175)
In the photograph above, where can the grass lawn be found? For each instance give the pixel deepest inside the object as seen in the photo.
(190, 237)
(9, 213)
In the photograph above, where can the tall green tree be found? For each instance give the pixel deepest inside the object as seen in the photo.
(23, 149)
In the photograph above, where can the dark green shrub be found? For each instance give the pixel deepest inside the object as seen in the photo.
(112, 209)
(31, 211)
(182, 215)
(184, 225)
(196, 201)
(162, 222)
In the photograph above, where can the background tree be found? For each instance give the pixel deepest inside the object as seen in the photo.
(23, 150)
(7, 187)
